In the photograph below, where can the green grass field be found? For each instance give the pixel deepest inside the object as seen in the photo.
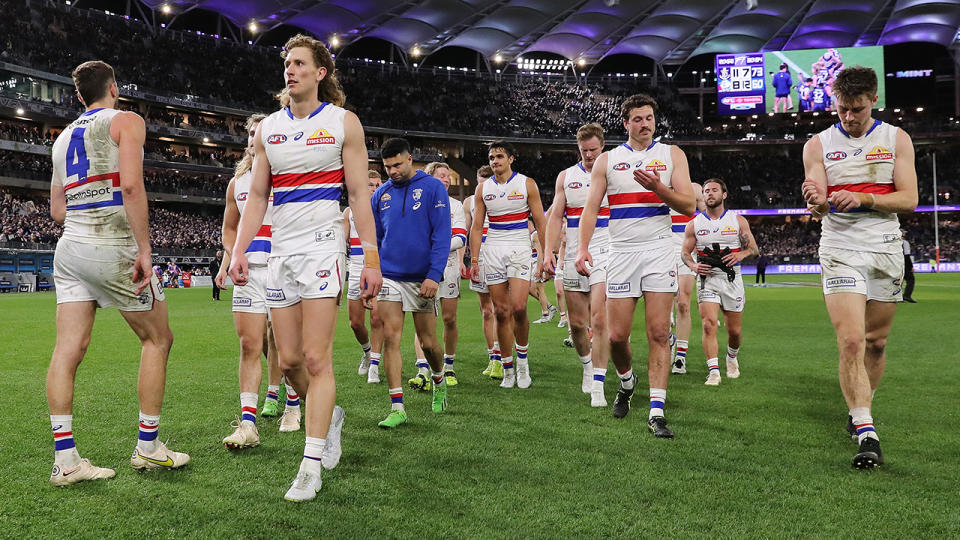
(762, 456)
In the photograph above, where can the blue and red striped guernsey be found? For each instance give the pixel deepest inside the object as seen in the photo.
(639, 220)
(576, 187)
(306, 174)
(113, 190)
(574, 212)
(259, 249)
(356, 247)
(507, 210)
(261, 242)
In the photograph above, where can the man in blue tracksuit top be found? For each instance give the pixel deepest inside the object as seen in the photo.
(412, 216)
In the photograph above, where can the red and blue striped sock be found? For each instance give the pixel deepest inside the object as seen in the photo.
(147, 439)
(293, 400)
(65, 450)
(658, 396)
(248, 407)
(375, 358)
(682, 345)
(273, 393)
(713, 364)
(863, 423)
(396, 398)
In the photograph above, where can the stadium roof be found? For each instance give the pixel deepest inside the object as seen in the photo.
(666, 31)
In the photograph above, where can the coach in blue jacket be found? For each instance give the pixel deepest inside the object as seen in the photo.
(413, 234)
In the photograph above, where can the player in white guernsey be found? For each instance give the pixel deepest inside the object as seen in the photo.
(250, 310)
(308, 151)
(681, 303)
(720, 283)
(508, 199)
(642, 180)
(449, 292)
(494, 368)
(371, 342)
(586, 295)
(859, 174)
(103, 259)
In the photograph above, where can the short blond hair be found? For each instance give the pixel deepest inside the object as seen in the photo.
(372, 173)
(588, 131)
(434, 165)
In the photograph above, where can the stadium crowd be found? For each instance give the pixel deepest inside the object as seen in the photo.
(25, 219)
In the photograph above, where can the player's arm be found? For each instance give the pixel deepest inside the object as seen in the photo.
(129, 131)
(354, 155)
(814, 188)
(686, 251)
(476, 230)
(58, 200)
(904, 199)
(458, 231)
(748, 245)
(588, 218)
(228, 233)
(440, 232)
(680, 198)
(555, 221)
(253, 211)
(346, 228)
(539, 219)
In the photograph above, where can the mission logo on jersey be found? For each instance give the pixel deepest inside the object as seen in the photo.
(879, 152)
(515, 195)
(321, 136)
(655, 165)
(728, 230)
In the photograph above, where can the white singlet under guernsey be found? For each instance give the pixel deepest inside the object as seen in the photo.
(507, 210)
(306, 173)
(865, 165)
(639, 220)
(723, 231)
(576, 185)
(86, 162)
(259, 248)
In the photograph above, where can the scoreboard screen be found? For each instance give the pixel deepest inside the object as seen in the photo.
(741, 83)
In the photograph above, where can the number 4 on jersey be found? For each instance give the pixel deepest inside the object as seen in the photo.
(77, 162)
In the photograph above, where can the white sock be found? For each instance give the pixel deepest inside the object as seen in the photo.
(65, 450)
(248, 407)
(273, 393)
(293, 400)
(147, 440)
(658, 397)
(599, 375)
(437, 376)
(713, 364)
(626, 379)
(448, 360)
(863, 423)
(423, 367)
(587, 362)
(366, 347)
(732, 353)
(312, 453)
(375, 360)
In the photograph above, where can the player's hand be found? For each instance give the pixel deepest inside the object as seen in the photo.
(475, 273)
(238, 269)
(549, 267)
(702, 269)
(464, 271)
(142, 270)
(221, 279)
(649, 180)
(733, 258)
(584, 262)
(844, 200)
(370, 282)
(428, 289)
(813, 193)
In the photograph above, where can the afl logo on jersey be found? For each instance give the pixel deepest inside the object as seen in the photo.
(703, 232)
(323, 273)
(489, 197)
(242, 196)
(575, 185)
(277, 138)
(836, 156)
(621, 167)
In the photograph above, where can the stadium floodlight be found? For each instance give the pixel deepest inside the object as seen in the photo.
(165, 9)
(498, 58)
(335, 41)
(582, 62)
(206, 139)
(253, 27)
(20, 111)
(415, 51)
(919, 109)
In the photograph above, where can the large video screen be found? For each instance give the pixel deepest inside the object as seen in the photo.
(789, 81)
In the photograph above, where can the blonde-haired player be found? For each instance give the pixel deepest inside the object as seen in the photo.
(104, 259)
(308, 152)
(250, 312)
(371, 342)
(585, 294)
